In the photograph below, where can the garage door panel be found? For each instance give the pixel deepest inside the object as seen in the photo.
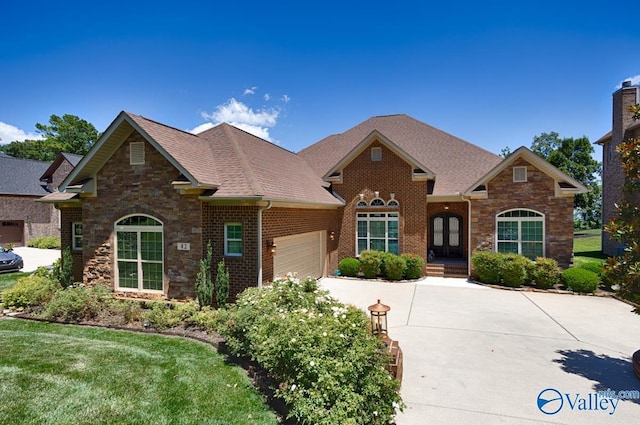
(302, 254)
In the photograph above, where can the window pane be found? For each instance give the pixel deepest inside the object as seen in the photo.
(393, 246)
(234, 247)
(151, 246)
(376, 229)
(362, 229)
(508, 247)
(127, 245)
(532, 250)
(152, 276)
(362, 245)
(234, 231)
(128, 274)
(508, 231)
(532, 231)
(377, 245)
(393, 229)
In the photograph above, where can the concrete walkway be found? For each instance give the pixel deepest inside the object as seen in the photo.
(475, 355)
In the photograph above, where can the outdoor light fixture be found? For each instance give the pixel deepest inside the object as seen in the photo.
(332, 235)
(379, 319)
(272, 247)
(446, 206)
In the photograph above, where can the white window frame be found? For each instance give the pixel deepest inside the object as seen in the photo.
(516, 177)
(76, 237)
(227, 239)
(139, 261)
(539, 218)
(377, 216)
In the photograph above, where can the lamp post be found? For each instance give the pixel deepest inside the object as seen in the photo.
(379, 319)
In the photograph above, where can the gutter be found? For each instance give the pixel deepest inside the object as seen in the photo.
(260, 209)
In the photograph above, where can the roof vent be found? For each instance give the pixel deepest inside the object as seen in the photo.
(626, 83)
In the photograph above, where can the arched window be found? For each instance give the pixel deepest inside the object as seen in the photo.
(520, 232)
(393, 203)
(361, 204)
(377, 202)
(139, 254)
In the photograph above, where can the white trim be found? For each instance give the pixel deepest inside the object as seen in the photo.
(520, 174)
(376, 154)
(227, 240)
(539, 218)
(383, 216)
(75, 236)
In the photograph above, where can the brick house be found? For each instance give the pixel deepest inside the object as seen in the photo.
(21, 217)
(623, 128)
(140, 207)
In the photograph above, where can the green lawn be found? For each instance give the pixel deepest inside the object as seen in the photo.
(588, 249)
(63, 374)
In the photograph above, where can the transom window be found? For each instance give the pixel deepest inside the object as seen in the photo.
(139, 254)
(521, 232)
(377, 202)
(233, 239)
(377, 231)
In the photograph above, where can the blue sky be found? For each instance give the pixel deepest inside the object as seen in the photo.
(494, 73)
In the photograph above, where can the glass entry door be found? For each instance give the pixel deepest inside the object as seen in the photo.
(446, 235)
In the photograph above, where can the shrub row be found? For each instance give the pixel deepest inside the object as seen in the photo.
(328, 366)
(386, 264)
(515, 270)
(45, 242)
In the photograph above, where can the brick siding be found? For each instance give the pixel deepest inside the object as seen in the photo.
(537, 194)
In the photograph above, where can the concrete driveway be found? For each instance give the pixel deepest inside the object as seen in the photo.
(34, 257)
(475, 355)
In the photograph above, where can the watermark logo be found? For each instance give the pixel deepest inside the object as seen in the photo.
(550, 401)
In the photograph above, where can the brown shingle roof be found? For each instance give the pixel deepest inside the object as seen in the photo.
(456, 163)
(252, 167)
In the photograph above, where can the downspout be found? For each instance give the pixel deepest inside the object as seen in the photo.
(468, 235)
(260, 209)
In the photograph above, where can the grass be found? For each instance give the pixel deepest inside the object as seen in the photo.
(63, 374)
(588, 249)
(7, 280)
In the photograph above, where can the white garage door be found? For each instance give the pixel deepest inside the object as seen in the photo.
(303, 254)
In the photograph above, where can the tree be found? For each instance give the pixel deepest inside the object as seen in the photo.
(574, 157)
(204, 284)
(63, 134)
(222, 285)
(624, 270)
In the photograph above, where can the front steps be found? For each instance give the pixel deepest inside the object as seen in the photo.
(447, 269)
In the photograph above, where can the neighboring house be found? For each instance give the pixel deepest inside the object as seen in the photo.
(623, 128)
(141, 206)
(59, 170)
(21, 218)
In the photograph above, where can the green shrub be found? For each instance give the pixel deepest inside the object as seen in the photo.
(327, 365)
(63, 269)
(580, 280)
(394, 267)
(414, 263)
(222, 285)
(204, 319)
(77, 303)
(160, 316)
(30, 291)
(545, 272)
(487, 265)
(370, 263)
(514, 270)
(45, 242)
(597, 268)
(349, 267)
(128, 311)
(204, 283)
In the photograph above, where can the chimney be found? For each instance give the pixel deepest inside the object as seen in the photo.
(626, 96)
(626, 83)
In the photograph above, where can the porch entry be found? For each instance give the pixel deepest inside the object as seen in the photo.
(445, 238)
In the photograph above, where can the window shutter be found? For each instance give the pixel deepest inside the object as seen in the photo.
(136, 153)
(519, 174)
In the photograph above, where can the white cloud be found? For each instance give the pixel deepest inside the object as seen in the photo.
(635, 80)
(10, 133)
(239, 115)
(286, 98)
(267, 97)
(252, 90)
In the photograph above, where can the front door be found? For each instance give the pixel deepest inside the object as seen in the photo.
(446, 235)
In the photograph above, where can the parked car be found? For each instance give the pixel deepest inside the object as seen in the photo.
(9, 260)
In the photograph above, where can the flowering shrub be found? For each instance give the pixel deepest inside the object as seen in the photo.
(329, 367)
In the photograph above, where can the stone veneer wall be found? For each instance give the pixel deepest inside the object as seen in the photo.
(124, 189)
(278, 222)
(243, 271)
(536, 194)
(390, 175)
(70, 215)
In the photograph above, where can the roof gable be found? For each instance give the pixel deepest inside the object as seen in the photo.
(454, 162)
(565, 184)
